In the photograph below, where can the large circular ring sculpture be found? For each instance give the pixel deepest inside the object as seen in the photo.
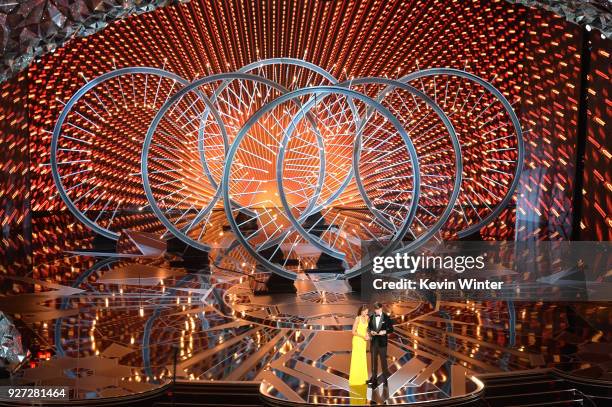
(95, 177)
(310, 171)
(481, 115)
(269, 221)
(383, 195)
(184, 200)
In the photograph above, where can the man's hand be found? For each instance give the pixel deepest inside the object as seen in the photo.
(383, 332)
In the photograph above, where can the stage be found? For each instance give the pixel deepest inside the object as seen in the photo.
(197, 196)
(122, 326)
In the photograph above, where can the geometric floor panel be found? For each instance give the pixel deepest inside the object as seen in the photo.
(111, 327)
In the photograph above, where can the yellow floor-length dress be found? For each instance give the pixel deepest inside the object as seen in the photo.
(358, 373)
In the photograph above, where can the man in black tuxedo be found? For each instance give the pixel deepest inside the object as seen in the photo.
(379, 326)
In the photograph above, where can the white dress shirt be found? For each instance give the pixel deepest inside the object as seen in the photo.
(377, 321)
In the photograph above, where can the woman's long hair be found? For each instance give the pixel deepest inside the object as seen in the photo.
(361, 308)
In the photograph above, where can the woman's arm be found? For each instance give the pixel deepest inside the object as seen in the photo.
(355, 333)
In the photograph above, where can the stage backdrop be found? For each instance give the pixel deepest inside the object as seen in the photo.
(536, 58)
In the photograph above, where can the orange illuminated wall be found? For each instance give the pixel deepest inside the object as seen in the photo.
(15, 243)
(378, 38)
(549, 111)
(596, 221)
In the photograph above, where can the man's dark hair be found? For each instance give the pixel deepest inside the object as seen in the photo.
(377, 305)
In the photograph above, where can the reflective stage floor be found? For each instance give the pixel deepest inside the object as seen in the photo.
(118, 326)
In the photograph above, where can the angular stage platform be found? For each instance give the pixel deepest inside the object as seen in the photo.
(126, 327)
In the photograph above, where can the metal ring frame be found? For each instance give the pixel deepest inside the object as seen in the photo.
(432, 72)
(421, 239)
(57, 132)
(226, 78)
(333, 81)
(288, 97)
(231, 147)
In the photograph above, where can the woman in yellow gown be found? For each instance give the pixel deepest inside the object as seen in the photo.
(358, 373)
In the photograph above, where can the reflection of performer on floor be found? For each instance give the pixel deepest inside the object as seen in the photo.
(379, 327)
(359, 365)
